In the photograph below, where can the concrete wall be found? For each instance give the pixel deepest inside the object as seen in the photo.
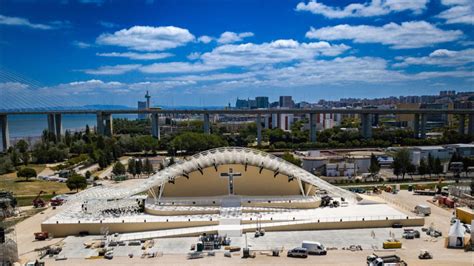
(66, 229)
(251, 183)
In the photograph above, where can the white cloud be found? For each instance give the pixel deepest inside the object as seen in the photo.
(414, 34)
(459, 11)
(205, 39)
(231, 37)
(440, 57)
(177, 67)
(193, 56)
(16, 21)
(94, 87)
(12, 86)
(112, 70)
(107, 24)
(81, 45)
(368, 9)
(137, 56)
(278, 51)
(146, 38)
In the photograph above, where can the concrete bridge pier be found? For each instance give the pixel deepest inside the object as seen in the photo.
(312, 127)
(155, 126)
(5, 133)
(366, 126)
(51, 128)
(58, 126)
(462, 127)
(207, 126)
(423, 126)
(104, 124)
(100, 124)
(259, 129)
(108, 130)
(470, 128)
(416, 126)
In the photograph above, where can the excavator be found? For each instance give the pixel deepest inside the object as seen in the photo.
(39, 202)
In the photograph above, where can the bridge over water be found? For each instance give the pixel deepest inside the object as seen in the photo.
(104, 119)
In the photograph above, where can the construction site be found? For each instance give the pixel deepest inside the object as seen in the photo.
(230, 203)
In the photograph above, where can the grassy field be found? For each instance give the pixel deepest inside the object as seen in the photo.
(32, 187)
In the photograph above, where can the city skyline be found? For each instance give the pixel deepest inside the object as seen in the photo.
(208, 54)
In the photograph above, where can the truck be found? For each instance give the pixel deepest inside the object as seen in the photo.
(389, 260)
(423, 209)
(314, 248)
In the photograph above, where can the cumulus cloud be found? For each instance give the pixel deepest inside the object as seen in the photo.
(193, 56)
(112, 70)
(440, 57)
(278, 51)
(248, 55)
(413, 34)
(368, 9)
(146, 38)
(81, 45)
(205, 39)
(16, 21)
(137, 56)
(107, 24)
(177, 67)
(231, 37)
(459, 11)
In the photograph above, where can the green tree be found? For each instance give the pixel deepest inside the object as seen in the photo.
(88, 174)
(22, 146)
(291, 159)
(139, 167)
(76, 181)
(172, 161)
(401, 162)
(132, 167)
(26, 172)
(147, 167)
(437, 167)
(422, 169)
(374, 167)
(431, 163)
(119, 169)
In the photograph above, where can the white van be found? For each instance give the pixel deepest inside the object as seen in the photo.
(314, 248)
(423, 209)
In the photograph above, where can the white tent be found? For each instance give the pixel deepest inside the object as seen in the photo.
(456, 235)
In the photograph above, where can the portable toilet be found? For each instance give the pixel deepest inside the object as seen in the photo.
(456, 235)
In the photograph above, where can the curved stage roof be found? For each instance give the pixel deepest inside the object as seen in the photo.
(209, 158)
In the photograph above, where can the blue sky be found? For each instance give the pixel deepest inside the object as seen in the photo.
(211, 52)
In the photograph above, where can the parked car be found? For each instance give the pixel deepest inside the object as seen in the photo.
(298, 253)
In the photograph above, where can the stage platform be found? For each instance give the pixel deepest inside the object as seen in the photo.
(72, 220)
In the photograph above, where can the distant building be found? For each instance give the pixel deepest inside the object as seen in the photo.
(447, 93)
(286, 102)
(422, 152)
(262, 102)
(241, 104)
(142, 106)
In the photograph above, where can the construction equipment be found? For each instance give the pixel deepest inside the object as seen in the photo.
(39, 202)
(392, 243)
(425, 255)
(40, 236)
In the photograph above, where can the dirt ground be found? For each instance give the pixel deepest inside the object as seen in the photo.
(404, 201)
